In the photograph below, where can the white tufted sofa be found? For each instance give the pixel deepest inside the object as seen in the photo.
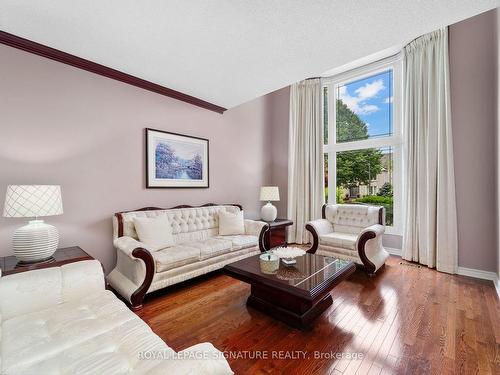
(61, 320)
(198, 249)
(351, 231)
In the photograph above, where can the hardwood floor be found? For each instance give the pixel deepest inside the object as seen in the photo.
(406, 320)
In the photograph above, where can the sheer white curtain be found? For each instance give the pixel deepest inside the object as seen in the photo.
(430, 235)
(305, 158)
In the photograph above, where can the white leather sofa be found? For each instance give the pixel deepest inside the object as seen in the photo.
(61, 320)
(350, 231)
(198, 249)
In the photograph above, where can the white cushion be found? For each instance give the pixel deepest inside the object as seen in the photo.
(211, 247)
(175, 256)
(156, 232)
(242, 241)
(337, 239)
(231, 223)
(36, 336)
(26, 292)
(116, 351)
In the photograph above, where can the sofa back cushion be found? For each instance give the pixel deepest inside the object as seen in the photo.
(30, 291)
(351, 218)
(231, 223)
(155, 232)
(188, 224)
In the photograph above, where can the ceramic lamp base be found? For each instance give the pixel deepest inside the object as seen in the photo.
(35, 242)
(268, 212)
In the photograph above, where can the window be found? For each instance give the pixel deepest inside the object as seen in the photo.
(363, 143)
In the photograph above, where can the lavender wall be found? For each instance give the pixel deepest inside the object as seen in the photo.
(497, 144)
(61, 125)
(279, 150)
(473, 70)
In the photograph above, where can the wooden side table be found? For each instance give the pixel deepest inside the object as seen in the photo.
(276, 235)
(11, 265)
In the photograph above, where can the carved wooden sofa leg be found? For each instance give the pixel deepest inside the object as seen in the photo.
(138, 296)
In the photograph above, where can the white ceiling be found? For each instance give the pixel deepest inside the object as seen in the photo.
(228, 51)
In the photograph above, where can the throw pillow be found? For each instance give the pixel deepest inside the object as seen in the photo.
(155, 233)
(231, 223)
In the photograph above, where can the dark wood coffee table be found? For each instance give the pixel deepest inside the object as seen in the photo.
(295, 294)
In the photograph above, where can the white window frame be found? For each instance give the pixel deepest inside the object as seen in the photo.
(395, 141)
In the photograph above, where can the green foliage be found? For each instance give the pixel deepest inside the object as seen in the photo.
(340, 195)
(387, 202)
(375, 199)
(359, 166)
(385, 190)
(349, 126)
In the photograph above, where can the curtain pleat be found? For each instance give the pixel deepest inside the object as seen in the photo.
(430, 230)
(305, 158)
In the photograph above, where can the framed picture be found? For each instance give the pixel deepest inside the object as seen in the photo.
(176, 160)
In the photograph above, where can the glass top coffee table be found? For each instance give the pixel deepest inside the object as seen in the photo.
(295, 294)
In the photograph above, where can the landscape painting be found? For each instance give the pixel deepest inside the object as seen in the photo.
(176, 160)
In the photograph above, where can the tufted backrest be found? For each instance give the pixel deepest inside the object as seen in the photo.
(187, 224)
(352, 218)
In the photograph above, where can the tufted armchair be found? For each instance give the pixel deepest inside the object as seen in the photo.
(350, 231)
(198, 248)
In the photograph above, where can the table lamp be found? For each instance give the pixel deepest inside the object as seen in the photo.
(269, 193)
(38, 240)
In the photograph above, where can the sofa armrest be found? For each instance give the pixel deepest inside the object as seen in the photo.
(127, 245)
(321, 226)
(208, 359)
(257, 228)
(376, 229)
(134, 271)
(254, 227)
(26, 292)
(318, 228)
(201, 358)
(370, 249)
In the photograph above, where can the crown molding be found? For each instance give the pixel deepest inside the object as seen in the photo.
(90, 66)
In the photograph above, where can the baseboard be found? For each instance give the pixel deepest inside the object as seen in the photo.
(393, 251)
(497, 286)
(478, 274)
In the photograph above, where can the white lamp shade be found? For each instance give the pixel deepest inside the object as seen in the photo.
(32, 201)
(269, 193)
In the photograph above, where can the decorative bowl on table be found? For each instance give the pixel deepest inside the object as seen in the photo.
(288, 254)
(269, 263)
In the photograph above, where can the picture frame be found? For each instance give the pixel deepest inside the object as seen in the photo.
(176, 160)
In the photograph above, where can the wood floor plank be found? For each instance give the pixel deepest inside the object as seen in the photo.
(406, 320)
